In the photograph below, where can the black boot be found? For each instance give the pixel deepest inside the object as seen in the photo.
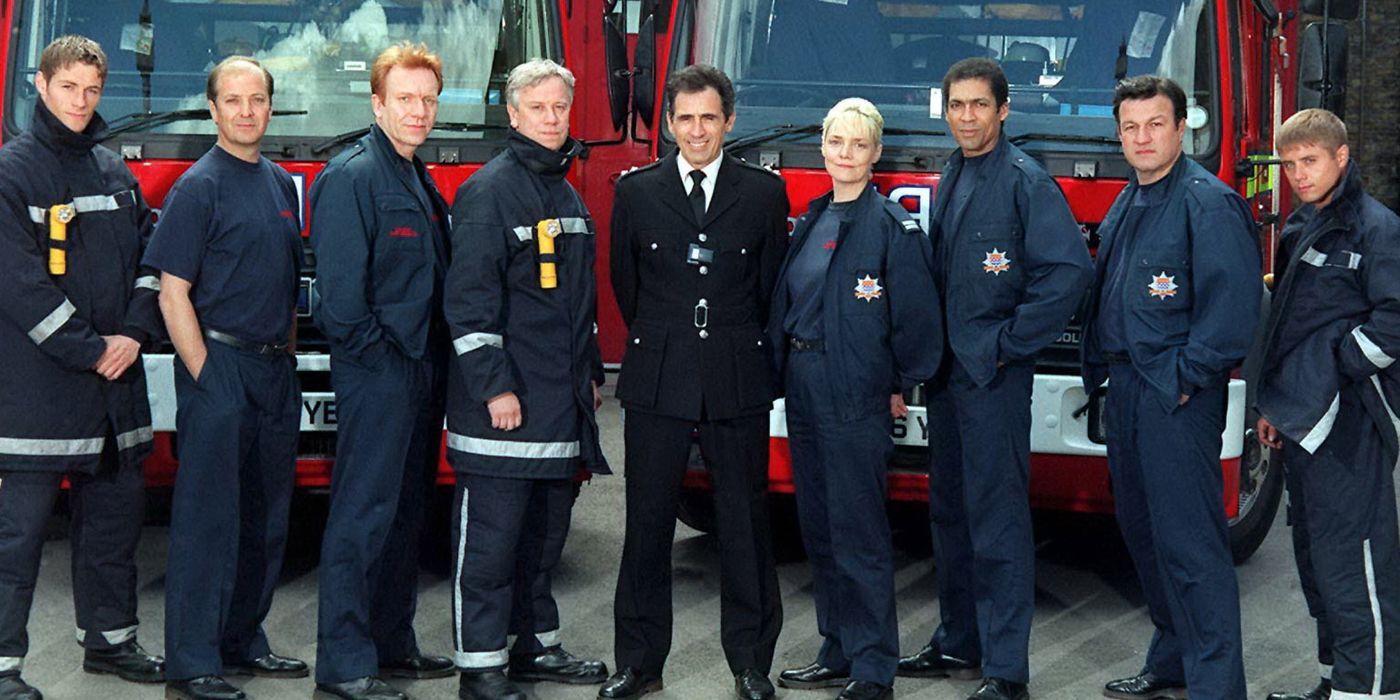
(127, 661)
(12, 687)
(488, 685)
(931, 662)
(1323, 691)
(366, 688)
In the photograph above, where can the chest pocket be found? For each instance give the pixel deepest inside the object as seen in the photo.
(401, 226)
(993, 257)
(1337, 274)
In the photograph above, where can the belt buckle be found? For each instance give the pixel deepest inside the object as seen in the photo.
(702, 314)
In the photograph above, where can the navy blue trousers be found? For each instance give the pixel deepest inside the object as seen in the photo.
(507, 539)
(107, 510)
(389, 422)
(237, 436)
(1343, 501)
(839, 470)
(1302, 554)
(1168, 495)
(979, 510)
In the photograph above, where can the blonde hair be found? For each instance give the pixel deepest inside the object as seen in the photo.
(1312, 127)
(857, 113)
(408, 55)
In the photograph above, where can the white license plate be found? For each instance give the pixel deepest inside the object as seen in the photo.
(911, 430)
(318, 411)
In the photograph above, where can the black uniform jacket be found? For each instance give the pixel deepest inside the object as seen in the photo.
(381, 251)
(512, 334)
(1016, 265)
(56, 413)
(696, 329)
(1334, 320)
(881, 320)
(1192, 285)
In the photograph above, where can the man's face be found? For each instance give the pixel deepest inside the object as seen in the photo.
(1313, 171)
(974, 116)
(1151, 136)
(71, 94)
(542, 113)
(697, 121)
(242, 108)
(408, 108)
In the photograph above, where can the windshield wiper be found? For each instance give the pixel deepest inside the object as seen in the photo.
(776, 131)
(355, 134)
(142, 121)
(1065, 138)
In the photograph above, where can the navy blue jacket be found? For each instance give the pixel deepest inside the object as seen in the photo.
(1192, 286)
(55, 411)
(381, 251)
(1016, 266)
(511, 334)
(882, 328)
(1334, 320)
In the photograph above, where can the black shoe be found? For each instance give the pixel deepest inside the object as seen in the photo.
(630, 682)
(488, 685)
(418, 666)
(813, 676)
(752, 685)
(12, 687)
(268, 665)
(930, 662)
(367, 688)
(1323, 691)
(1001, 689)
(202, 688)
(865, 690)
(1145, 686)
(127, 661)
(558, 666)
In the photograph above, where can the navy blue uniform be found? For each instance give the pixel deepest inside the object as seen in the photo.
(379, 231)
(880, 335)
(58, 416)
(1330, 385)
(514, 489)
(1188, 305)
(1011, 275)
(232, 230)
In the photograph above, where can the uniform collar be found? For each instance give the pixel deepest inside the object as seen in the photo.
(711, 171)
(541, 160)
(49, 130)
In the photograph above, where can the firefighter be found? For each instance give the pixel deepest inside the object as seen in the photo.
(1327, 399)
(379, 232)
(77, 309)
(228, 246)
(854, 324)
(522, 392)
(693, 273)
(1173, 309)
(1010, 277)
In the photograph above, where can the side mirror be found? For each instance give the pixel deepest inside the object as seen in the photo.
(615, 51)
(1335, 9)
(644, 66)
(1322, 68)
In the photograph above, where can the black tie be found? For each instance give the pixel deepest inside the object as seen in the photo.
(697, 196)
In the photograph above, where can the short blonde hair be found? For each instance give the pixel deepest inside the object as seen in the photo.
(1312, 127)
(857, 113)
(408, 55)
(532, 73)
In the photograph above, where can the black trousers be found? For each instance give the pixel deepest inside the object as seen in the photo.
(107, 509)
(238, 429)
(736, 451)
(390, 429)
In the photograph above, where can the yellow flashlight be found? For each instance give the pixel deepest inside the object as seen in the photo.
(545, 231)
(59, 216)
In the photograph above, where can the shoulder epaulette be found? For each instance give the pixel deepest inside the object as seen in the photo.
(902, 216)
(639, 168)
(760, 168)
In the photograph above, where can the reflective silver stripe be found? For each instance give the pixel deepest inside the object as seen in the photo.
(1343, 695)
(1353, 259)
(1313, 257)
(457, 571)
(1319, 433)
(97, 202)
(37, 215)
(1325, 671)
(524, 233)
(11, 663)
(549, 638)
(1379, 637)
(1373, 352)
(112, 637)
(39, 447)
(481, 659)
(148, 282)
(132, 438)
(472, 341)
(574, 224)
(512, 448)
(51, 323)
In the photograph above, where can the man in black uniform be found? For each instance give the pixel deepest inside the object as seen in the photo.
(379, 231)
(1327, 398)
(521, 302)
(228, 246)
(75, 310)
(697, 240)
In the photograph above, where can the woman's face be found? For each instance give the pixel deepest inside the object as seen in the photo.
(849, 153)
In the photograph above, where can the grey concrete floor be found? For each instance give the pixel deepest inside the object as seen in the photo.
(1090, 621)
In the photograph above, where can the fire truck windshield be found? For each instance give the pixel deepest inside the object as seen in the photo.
(318, 51)
(792, 59)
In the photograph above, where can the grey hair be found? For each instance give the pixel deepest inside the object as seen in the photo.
(532, 73)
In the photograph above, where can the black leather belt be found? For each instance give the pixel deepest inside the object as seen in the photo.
(800, 345)
(234, 341)
(1115, 358)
